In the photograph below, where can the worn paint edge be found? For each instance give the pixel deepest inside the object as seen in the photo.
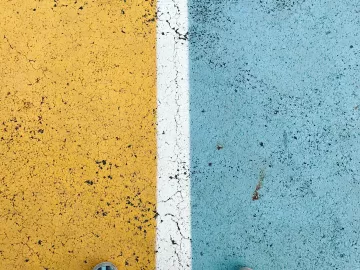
(173, 237)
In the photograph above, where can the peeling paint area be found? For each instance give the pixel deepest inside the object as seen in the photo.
(173, 196)
(77, 134)
(274, 87)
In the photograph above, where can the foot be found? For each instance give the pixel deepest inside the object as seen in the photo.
(105, 266)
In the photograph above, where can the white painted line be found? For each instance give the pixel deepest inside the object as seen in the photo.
(173, 241)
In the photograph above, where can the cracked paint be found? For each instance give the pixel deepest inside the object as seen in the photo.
(77, 134)
(173, 220)
(276, 83)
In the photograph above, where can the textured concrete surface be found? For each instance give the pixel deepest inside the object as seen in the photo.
(275, 143)
(77, 137)
(173, 245)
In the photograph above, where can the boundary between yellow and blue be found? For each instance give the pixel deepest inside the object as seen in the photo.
(173, 241)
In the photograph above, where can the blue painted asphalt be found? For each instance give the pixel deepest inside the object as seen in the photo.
(275, 134)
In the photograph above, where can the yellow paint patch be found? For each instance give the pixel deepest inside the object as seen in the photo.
(77, 129)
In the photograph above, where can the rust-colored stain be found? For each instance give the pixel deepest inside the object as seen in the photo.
(77, 134)
(259, 185)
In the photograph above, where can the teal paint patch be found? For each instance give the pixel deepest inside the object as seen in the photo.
(275, 137)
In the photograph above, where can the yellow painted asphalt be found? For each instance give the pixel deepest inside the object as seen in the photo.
(77, 135)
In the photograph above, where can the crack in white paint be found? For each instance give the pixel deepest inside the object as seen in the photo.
(173, 137)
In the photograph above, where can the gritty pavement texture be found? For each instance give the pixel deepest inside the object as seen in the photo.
(77, 134)
(173, 242)
(275, 143)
